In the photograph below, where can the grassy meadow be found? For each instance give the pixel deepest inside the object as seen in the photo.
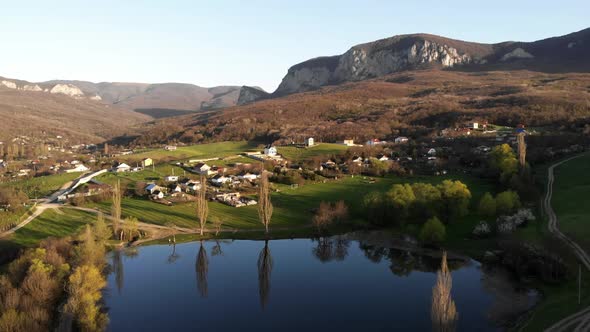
(52, 223)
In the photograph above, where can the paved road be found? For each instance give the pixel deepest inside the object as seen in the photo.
(579, 321)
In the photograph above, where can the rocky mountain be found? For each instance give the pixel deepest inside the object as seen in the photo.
(249, 94)
(569, 53)
(141, 96)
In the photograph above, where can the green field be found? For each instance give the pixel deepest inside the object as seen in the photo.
(43, 185)
(201, 151)
(294, 207)
(52, 223)
(571, 194)
(320, 149)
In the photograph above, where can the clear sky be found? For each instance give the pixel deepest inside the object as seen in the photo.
(219, 42)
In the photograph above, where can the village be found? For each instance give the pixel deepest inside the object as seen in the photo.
(231, 176)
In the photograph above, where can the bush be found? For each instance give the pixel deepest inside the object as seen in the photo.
(507, 202)
(487, 205)
(482, 229)
(433, 232)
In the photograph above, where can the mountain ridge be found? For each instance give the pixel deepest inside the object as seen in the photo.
(418, 51)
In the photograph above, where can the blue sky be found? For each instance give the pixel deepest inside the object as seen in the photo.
(242, 42)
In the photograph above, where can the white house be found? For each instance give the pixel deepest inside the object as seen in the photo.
(382, 157)
(202, 168)
(432, 152)
(270, 151)
(175, 189)
(248, 176)
(122, 168)
(171, 178)
(401, 139)
(347, 142)
(78, 168)
(220, 179)
(309, 141)
(193, 186)
(152, 188)
(158, 194)
(170, 148)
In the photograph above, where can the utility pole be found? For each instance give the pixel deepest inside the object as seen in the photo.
(579, 284)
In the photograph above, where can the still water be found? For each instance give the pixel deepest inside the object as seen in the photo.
(295, 285)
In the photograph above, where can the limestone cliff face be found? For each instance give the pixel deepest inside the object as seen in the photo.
(380, 58)
(249, 94)
(67, 89)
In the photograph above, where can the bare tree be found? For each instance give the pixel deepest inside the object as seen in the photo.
(264, 203)
(202, 207)
(202, 268)
(116, 208)
(444, 313)
(265, 264)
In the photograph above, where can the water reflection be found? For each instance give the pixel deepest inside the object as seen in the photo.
(265, 264)
(404, 261)
(173, 257)
(202, 268)
(331, 248)
(216, 250)
(378, 274)
(117, 268)
(444, 312)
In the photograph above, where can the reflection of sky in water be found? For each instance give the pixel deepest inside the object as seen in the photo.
(305, 294)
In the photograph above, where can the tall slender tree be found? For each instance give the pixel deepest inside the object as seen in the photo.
(264, 203)
(521, 151)
(444, 312)
(116, 209)
(265, 264)
(202, 207)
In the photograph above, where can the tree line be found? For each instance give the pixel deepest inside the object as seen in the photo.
(417, 203)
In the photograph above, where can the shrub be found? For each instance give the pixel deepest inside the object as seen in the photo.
(507, 202)
(482, 229)
(433, 232)
(487, 205)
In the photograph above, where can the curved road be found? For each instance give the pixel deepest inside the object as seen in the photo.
(579, 321)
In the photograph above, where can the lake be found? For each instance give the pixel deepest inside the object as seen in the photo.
(335, 283)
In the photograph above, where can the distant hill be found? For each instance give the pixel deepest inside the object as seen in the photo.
(411, 103)
(26, 110)
(97, 111)
(569, 53)
(161, 96)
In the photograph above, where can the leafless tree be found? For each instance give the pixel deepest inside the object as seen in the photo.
(202, 268)
(264, 203)
(202, 207)
(444, 313)
(265, 264)
(116, 209)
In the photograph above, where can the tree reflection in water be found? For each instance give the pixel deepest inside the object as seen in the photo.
(117, 267)
(404, 261)
(173, 257)
(265, 264)
(202, 268)
(444, 312)
(331, 248)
